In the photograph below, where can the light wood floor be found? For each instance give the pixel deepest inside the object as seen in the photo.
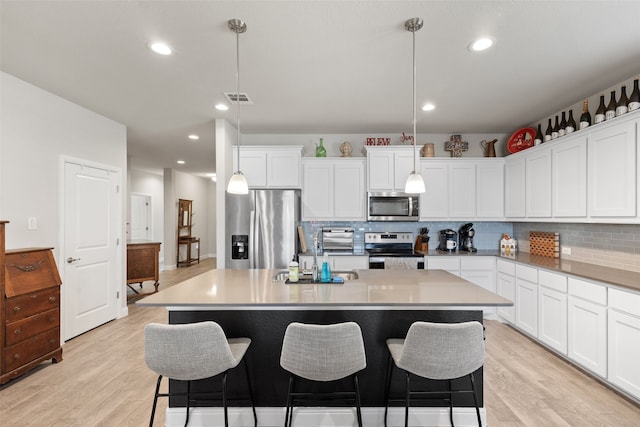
(103, 380)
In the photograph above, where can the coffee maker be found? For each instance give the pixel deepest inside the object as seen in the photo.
(465, 236)
(448, 240)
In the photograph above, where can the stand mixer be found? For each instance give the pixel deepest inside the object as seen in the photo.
(465, 238)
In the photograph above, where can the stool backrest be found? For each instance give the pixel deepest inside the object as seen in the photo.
(443, 350)
(323, 352)
(187, 352)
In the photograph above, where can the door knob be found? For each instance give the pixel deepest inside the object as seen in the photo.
(70, 260)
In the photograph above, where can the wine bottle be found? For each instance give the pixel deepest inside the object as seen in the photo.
(563, 124)
(554, 131)
(600, 112)
(634, 98)
(610, 112)
(571, 123)
(547, 133)
(539, 137)
(585, 118)
(621, 106)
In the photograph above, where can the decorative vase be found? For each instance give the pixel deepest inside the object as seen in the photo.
(320, 150)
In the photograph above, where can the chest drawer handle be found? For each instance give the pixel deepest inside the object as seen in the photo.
(52, 340)
(52, 319)
(18, 331)
(16, 309)
(52, 299)
(16, 356)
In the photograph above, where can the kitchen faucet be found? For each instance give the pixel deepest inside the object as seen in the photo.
(315, 256)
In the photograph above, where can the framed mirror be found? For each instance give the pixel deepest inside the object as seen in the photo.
(184, 212)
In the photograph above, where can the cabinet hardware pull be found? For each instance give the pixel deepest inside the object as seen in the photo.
(51, 341)
(18, 331)
(16, 308)
(27, 268)
(70, 260)
(16, 356)
(52, 299)
(52, 319)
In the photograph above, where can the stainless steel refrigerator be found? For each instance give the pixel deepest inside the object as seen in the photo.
(261, 228)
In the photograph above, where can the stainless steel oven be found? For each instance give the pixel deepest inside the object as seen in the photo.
(393, 206)
(392, 251)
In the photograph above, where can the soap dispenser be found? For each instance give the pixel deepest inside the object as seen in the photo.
(326, 271)
(294, 270)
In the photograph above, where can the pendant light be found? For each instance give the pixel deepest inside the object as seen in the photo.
(238, 183)
(415, 183)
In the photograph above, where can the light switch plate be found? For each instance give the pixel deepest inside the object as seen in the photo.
(32, 223)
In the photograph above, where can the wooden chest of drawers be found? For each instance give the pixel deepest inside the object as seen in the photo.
(30, 311)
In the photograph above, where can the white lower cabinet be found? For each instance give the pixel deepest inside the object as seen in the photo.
(552, 310)
(527, 299)
(624, 341)
(587, 325)
(450, 264)
(480, 271)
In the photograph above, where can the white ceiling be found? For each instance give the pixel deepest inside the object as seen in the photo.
(316, 66)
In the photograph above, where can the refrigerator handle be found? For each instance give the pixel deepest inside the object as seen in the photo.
(252, 239)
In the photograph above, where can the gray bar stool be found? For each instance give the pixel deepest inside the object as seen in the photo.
(437, 351)
(193, 351)
(322, 353)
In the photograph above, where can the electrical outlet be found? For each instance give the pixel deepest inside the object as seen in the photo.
(32, 223)
(566, 250)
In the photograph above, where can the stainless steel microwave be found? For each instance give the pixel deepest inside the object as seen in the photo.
(393, 206)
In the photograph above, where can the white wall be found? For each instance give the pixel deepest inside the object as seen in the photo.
(37, 128)
(151, 185)
(225, 139)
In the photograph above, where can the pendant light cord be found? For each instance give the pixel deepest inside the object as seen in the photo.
(238, 97)
(415, 142)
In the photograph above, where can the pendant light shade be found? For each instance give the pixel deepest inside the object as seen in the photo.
(415, 183)
(238, 183)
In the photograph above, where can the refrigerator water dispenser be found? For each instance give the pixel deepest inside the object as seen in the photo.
(239, 246)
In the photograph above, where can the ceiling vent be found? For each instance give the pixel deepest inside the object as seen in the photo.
(244, 98)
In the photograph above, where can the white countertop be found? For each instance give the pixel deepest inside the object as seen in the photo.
(387, 289)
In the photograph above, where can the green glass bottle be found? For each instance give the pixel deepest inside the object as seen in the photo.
(320, 150)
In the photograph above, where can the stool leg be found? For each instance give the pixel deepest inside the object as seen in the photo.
(406, 403)
(224, 398)
(155, 401)
(287, 420)
(186, 421)
(387, 389)
(450, 403)
(253, 407)
(358, 410)
(475, 398)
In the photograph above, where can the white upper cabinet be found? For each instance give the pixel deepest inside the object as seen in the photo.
(333, 189)
(612, 169)
(388, 167)
(462, 178)
(270, 166)
(490, 188)
(538, 184)
(514, 187)
(434, 202)
(569, 178)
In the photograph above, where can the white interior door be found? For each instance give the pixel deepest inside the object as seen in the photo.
(90, 247)
(140, 217)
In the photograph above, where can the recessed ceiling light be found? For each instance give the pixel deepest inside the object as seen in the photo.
(180, 162)
(160, 48)
(222, 107)
(428, 107)
(194, 137)
(481, 44)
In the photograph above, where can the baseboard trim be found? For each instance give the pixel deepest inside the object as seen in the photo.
(324, 417)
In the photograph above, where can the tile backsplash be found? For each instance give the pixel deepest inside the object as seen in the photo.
(610, 245)
(487, 235)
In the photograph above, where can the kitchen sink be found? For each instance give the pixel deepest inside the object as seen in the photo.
(307, 278)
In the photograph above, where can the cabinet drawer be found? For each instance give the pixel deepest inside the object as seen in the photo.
(29, 271)
(34, 325)
(482, 263)
(26, 351)
(506, 267)
(588, 291)
(624, 301)
(444, 263)
(24, 306)
(527, 273)
(552, 281)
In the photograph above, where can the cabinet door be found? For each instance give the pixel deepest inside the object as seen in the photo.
(253, 164)
(356, 262)
(380, 170)
(587, 335)
(612, 171)
(514, 188)
(485, 279)
(490, 189)
(450, 264)
(506, 287)
(283, 169)
(462, 179)
(403, 166)
(349, 190)
(624, 351)
(434, 202)
(527, 306)
(538, 184)
(317, 195)
(569, 179)
(552, 318)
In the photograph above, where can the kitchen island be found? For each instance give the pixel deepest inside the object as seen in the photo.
(383, 302)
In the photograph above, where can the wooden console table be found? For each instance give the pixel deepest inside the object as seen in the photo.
(142, 265)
